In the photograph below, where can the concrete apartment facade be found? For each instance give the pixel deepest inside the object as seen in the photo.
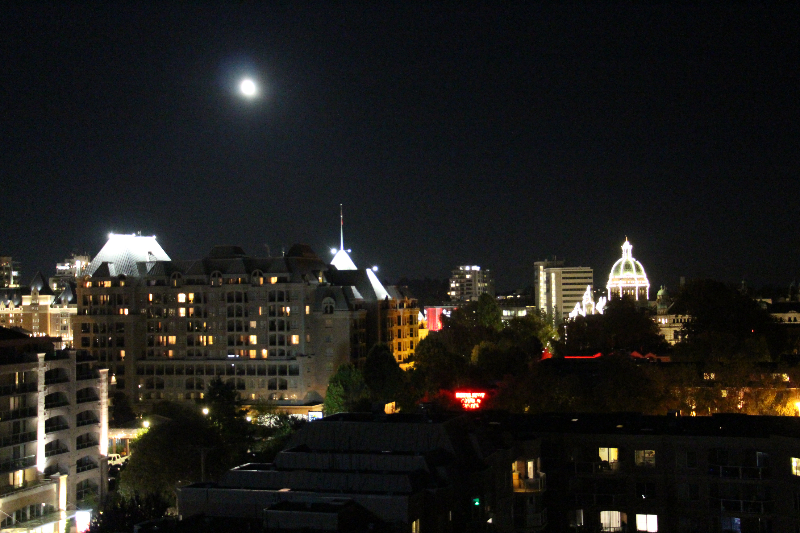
(53, 433)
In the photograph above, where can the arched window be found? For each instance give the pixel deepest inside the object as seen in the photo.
(328, 305)
(176, 279)
(257, 277)
(216, 278)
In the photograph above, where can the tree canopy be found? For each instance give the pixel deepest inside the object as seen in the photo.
(382, 375)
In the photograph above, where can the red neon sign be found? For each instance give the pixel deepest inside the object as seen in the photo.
(470, 400)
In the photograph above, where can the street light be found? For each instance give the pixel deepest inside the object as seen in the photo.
(205, 410)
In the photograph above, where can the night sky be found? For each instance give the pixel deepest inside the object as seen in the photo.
(452, 133)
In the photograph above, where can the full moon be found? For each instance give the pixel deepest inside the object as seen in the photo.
(248, 88)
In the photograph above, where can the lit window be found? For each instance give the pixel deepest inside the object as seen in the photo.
(122, 354)
(796, 466)
(645, 458)
(610, 521)
(609, 454)
(181, 311)
(308, 309)
(264, 353)
(273, 280)
(253, 339)
(150, 297)
(171, 339)
(576, 518)
(295, 339)
(646, 522)
(181, 298)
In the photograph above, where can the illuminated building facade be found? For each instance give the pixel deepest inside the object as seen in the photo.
(53, 433)
(9, 272)
(467, 283)
(401, 314)
(69, 271)
(275, 328)
(35, 308)
(558, 289)
(627, 277)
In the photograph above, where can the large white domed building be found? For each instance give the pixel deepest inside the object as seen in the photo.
(627, 277)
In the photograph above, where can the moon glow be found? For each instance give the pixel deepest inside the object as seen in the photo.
(248, 88)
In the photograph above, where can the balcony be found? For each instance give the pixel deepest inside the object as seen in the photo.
(597, 467)
(16, 414)
(536, 484)
(742, 506)
(55, 427)
(26, 486)
(57, 451)
(19, 438)
(56, 404)
(86, 467)
(22, 388)
(87, 422)
(87, 375)
(85, 399)
(590, 499)
(18, 464)
(84, 445)
(55, 380)
(739, 472)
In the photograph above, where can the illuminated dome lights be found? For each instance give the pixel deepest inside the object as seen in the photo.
(627, 277)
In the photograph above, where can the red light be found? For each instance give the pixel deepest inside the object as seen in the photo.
(470, 400)
(595, 356)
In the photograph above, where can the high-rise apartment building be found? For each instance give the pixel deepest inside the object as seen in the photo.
(69, 271)
(53, 433)
(558, 289)
(467, 283)
(9, 272)
(275, 328)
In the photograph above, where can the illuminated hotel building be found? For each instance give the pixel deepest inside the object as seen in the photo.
(36, 309)
(467, 283)
(557, 289)
(627, 277)
(53, 433)
(275, 328)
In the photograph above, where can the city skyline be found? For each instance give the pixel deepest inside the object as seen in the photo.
(452, 135)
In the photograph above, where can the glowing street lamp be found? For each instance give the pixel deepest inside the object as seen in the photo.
(205, 410)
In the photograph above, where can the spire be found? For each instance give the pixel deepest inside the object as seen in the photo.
(341, 228)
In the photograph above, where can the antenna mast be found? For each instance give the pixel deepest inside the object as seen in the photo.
(341, 228)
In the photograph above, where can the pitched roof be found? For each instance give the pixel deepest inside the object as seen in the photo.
(122, 252)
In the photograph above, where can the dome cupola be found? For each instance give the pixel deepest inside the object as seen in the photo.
(627, 277)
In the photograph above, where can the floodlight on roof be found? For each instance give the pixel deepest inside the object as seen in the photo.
(334, 250)
(375, 268)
